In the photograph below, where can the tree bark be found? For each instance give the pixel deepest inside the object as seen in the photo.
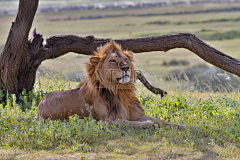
(20, 58)
(17, 72)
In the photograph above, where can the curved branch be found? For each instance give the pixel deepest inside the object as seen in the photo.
(144, 81)
(60, 45)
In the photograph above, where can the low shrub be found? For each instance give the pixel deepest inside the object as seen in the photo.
(206, 78)
(175, 63)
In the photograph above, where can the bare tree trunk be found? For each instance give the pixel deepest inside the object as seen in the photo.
(20, 58)
(0, 83)
(17, 72)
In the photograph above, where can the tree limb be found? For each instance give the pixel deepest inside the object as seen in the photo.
(144, 81)
(59, 45)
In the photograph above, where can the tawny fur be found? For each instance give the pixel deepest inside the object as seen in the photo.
(101, 94)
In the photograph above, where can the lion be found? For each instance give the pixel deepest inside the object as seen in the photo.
(107, 93)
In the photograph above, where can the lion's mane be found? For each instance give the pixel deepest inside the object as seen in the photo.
(119, 98)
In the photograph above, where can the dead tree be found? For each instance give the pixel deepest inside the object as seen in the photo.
(21, 57)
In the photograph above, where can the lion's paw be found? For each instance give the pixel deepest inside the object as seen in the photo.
(147, 124)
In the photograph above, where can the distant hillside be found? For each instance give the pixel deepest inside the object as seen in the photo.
(10, 6)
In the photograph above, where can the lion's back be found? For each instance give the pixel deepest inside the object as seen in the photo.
(61, 105)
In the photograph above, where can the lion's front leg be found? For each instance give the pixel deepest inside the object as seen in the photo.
(137, 124)
(160, 122)
(134, 124)
(102, 113)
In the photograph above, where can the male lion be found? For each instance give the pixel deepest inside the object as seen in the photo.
(107, 92)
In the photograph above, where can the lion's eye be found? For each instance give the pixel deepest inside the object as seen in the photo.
(126, 59)
(112, 61)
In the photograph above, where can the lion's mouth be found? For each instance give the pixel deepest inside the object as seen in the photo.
(118, 79)
(124, 79)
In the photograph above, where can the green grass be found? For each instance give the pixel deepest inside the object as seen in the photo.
(212, 130)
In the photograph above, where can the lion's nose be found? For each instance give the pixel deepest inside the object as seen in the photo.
(125, 68)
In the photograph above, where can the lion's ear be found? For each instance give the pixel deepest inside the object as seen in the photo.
(94, 60)
(129, 54)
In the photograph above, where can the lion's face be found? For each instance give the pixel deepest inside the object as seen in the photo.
(112, 65)
(117, 67)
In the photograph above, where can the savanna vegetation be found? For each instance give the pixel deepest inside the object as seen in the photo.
(202, 97)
